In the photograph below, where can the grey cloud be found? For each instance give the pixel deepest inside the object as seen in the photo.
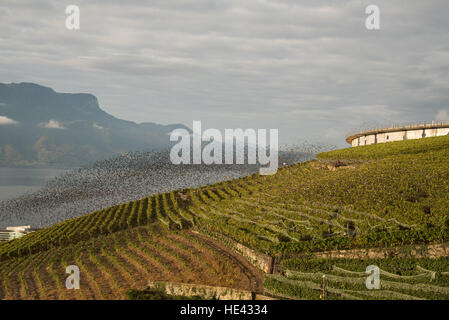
(52, 124)
(443, 115)
(6, 121)
(309, 68)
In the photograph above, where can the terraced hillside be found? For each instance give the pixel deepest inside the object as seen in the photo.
(378, 196)
(111, 264)
(400, 279)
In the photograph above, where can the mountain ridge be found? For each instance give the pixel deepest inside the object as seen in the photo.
(42, 127)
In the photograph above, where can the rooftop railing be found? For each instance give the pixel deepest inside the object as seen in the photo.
(392, 127)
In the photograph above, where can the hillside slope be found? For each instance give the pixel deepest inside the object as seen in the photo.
(48, 128)
(379, 196)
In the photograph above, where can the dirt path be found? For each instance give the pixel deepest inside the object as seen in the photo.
(254, 275)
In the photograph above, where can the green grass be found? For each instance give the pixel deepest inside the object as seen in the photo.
(385, 198)
(384, 195)
(394, 194)
(399, 279)
(384, 150)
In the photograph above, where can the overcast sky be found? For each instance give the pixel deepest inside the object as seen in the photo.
(309, 68)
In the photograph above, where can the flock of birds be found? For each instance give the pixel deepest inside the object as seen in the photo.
(121, 179)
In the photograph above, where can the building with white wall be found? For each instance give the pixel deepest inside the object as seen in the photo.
(398, 133)
(11, 233)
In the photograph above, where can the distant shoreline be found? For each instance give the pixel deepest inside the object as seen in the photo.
(19, 181)
(40, 167)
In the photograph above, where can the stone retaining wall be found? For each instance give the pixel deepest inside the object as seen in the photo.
(205, 292)
(418, 251)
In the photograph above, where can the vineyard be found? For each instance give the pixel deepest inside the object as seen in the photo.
(112, 264)
(378, 196)
(402, 279)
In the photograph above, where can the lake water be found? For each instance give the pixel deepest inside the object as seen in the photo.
(15, 182)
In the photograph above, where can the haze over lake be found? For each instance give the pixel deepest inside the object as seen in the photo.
(15, 182)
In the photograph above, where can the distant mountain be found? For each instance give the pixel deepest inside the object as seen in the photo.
(41, 127)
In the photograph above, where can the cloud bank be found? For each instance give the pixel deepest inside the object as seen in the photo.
(52, 124)
(443, 115)
(5, 121)
(309, 68)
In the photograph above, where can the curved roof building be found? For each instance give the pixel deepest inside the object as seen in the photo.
(399, 133)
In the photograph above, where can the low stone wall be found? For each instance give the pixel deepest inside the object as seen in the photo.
(260, 260)
(264, 297)
(418, 251)
(205, 292)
